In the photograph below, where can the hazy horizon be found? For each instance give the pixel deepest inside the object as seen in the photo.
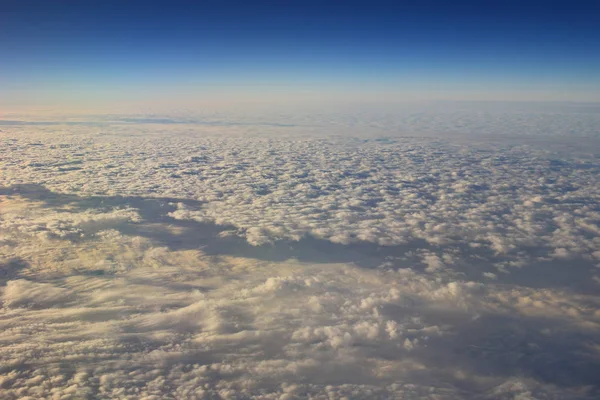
(102, 55)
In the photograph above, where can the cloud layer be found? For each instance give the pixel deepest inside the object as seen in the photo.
(192, 262)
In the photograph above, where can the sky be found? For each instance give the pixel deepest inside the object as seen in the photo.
(97, 54)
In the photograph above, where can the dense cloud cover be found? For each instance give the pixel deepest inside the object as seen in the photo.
(189, 261)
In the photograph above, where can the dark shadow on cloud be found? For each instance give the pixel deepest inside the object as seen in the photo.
(545, 349)
(501, 346)
(573, 274)
(150, 208)
(11, 269)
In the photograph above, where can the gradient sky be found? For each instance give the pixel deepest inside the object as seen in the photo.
(65, 53)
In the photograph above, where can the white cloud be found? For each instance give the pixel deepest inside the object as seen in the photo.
(196, 262)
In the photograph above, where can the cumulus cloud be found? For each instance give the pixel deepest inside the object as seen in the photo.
(23, 293)
(206, 262)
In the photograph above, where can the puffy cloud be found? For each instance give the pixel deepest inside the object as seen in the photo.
(23, 293)
(189, 261)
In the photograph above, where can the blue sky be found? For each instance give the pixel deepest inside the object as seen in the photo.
(63, 53)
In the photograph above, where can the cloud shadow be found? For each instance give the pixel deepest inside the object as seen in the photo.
(572, 275)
